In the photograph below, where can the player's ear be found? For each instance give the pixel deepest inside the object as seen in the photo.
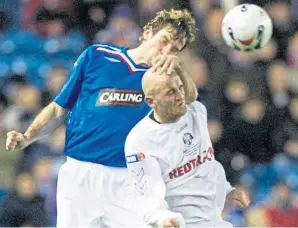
(150, 102)
(147, 34)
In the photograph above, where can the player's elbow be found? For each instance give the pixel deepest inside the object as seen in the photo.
(59, 111)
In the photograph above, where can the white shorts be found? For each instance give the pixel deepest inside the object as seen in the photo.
(93, 195)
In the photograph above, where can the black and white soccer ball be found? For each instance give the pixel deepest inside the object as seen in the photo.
(247, 27)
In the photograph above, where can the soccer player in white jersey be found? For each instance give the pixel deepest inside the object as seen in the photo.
(177, 181)
(102, 100)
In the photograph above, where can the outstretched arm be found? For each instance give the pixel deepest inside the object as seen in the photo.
(46, 122)
(51, 117)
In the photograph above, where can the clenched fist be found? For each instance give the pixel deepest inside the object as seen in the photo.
(170, 223)
(239, 198)
(15, 140)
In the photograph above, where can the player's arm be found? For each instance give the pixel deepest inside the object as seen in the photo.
(55, 113)
(237, 196)
(149, 188)
(46, 122)
(51, 117)
(149, 191)
(190, 88)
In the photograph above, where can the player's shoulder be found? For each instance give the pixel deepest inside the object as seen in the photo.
(108, 48)
(198, 107)
(140, 130)
(95, 53)
(144, 133)
(99, 49)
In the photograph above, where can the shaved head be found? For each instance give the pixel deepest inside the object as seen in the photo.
(165, 95)
(152, 81)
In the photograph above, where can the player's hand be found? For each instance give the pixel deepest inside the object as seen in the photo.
(239, 198)
(165, 63)
(170, 223)
(15, 140)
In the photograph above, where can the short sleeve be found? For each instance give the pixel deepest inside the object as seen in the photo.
(71, 89)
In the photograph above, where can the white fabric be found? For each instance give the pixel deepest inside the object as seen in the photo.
(92, 195)
(179, 177)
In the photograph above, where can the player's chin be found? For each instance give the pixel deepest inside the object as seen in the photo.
(180, 111)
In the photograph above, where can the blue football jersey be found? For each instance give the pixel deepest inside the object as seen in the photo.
(105, 98)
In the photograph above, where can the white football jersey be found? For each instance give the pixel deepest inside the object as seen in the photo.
(174, 170)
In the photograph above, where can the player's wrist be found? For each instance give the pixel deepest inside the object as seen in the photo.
(27, 140)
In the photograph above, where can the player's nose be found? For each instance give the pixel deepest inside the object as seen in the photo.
(180, 96)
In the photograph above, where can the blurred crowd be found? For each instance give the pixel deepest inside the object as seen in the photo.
(251, 98)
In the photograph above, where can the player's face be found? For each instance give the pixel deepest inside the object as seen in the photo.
(162, 43)
(170, 100)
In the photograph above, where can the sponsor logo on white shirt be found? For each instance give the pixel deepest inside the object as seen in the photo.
(192, 164)
(187, 139)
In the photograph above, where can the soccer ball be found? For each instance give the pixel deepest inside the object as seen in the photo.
(247, 27)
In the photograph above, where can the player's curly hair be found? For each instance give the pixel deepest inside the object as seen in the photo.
(181, 21)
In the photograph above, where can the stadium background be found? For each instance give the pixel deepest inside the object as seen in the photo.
(252, 98)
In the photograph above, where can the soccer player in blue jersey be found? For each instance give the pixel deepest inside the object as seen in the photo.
(102, 100)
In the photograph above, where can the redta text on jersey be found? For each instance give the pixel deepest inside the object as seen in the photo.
(192, 164)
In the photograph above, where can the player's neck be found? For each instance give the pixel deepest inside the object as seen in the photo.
(164, 119)
(138, 55)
